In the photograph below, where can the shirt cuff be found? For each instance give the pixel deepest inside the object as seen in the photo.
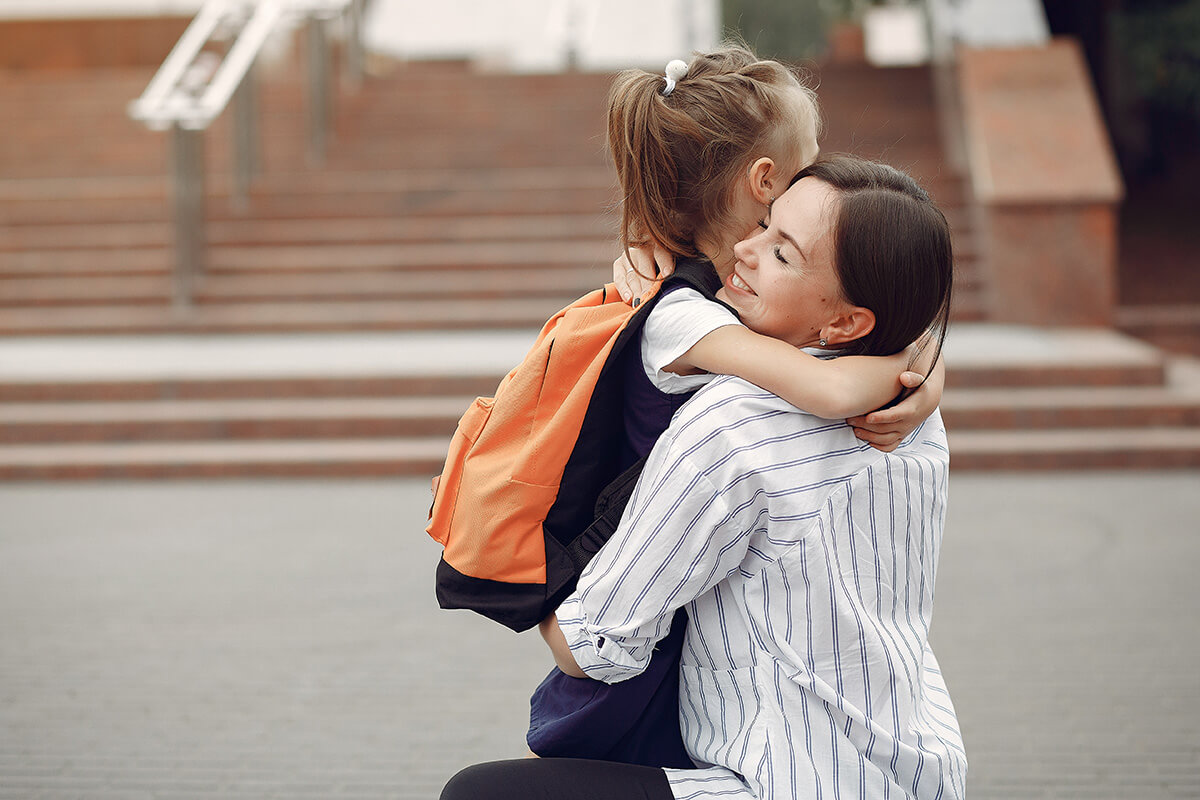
(601, 657)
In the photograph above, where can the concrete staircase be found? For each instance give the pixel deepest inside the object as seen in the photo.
(445, 192)
(355, 308)
(386, 404)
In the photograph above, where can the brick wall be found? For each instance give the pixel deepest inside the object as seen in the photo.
(66, 44)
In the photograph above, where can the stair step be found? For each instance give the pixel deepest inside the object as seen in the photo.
(340, 257)
(258, 458)
(232, 419)
(431, 205)
(86, 290)
(968, 306)
(972, 450)
(134, 235)
(406, 315)
(1077, 448)
(136, 368)
(990, 355)
(331, 181)
(1174, 327)
(529, 310)
(1093, 407)
(429, 415)
(470, 255)
(153, 390)
(563, 284)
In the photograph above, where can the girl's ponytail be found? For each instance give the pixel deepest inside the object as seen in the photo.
(640, 139)
(678, 155)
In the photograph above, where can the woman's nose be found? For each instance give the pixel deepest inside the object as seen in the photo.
(743, 250)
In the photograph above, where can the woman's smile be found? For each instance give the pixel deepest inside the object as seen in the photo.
(736, 283)
(784, 283)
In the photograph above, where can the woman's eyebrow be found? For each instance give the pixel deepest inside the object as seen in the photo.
(792, 242)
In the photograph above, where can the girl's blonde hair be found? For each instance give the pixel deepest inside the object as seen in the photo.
(677, 156)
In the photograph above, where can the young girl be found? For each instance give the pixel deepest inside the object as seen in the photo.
(700, 155)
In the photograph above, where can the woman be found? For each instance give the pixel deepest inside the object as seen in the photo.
(805, 559)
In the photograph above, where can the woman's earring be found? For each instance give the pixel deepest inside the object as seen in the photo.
(824, 343)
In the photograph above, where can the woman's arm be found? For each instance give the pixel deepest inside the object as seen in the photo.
(679, 538)
(832, 389)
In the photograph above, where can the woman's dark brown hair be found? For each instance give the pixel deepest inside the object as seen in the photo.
(677, 155)
(892, 253)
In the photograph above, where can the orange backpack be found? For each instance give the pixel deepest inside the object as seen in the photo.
(519, 506)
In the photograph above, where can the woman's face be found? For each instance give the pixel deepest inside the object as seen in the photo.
(783, 283)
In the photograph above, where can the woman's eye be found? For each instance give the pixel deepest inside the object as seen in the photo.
(762, 223)
(778, 250)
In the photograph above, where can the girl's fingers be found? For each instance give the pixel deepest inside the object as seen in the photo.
(887, 442)
(621, 276)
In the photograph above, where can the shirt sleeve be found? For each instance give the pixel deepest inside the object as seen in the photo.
(679, 320)
(678, 539)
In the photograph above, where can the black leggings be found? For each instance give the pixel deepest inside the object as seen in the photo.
(558, 779)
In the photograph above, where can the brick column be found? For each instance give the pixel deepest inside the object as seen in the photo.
(1046, 182)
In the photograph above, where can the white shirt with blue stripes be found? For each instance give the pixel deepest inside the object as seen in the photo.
(806, 560)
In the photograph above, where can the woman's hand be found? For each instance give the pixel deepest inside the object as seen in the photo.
(884, 430)
(631, 277)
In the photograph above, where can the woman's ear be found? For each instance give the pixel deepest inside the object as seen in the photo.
(763, 177)
(852, 324)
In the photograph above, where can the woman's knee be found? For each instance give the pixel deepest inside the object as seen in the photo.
(488, 781)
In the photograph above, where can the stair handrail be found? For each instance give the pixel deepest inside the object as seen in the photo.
(150, 106)
(192, 88)
(171, 98)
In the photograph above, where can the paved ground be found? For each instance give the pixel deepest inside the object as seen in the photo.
(280, 639)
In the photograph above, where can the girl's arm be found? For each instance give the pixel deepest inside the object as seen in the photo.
(885, 429)
(563, 657)
(832, 389)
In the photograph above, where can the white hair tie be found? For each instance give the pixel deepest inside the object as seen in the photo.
(675, 71)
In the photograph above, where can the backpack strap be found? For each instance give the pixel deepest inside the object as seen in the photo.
(699, 275)
(610, 507)
(610, 504)
(583, 516)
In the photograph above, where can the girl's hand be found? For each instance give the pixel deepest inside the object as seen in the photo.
(631, 278)
(884, 430)
(563, 657)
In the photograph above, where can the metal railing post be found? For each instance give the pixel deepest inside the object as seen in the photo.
(574, 33)
(318, 89)
(187, 155)
(354, 66)
(194, 86)
(245, 140)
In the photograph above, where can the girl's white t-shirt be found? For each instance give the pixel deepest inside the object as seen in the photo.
(679, 320)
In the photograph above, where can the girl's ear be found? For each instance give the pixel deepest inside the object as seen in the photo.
(853, 323)
(763, 177)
